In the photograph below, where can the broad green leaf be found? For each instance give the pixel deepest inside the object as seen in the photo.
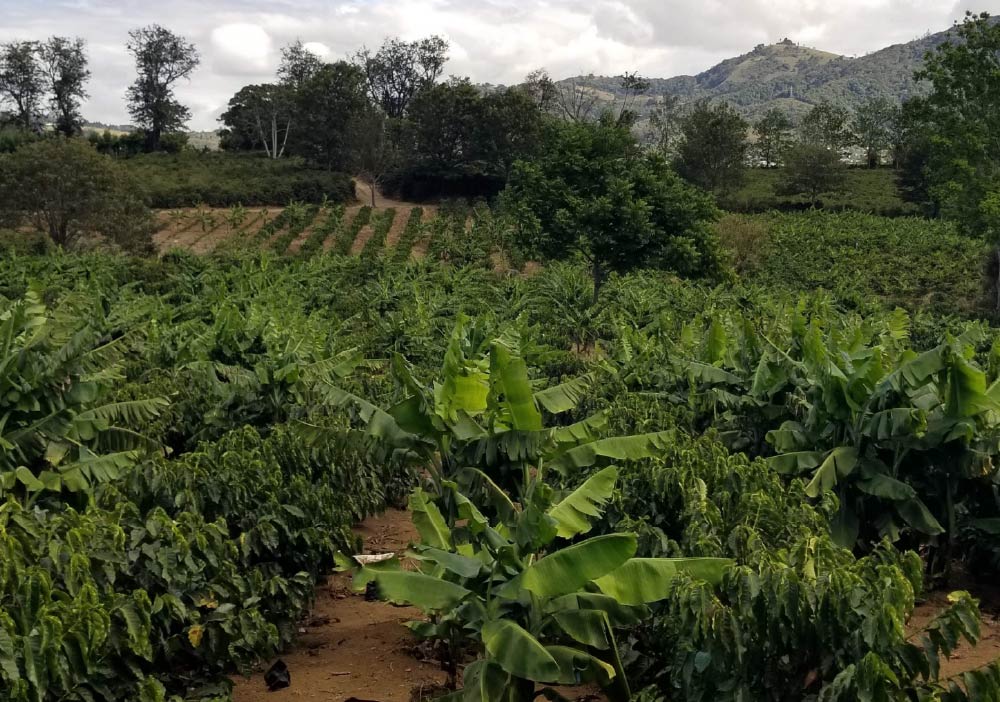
(512, 373)
(569, 569)
(646, 580)
(578, 667)
(573, 515)
(622, 448)
(886, 487)
(585, 626)
(966, 390)
(426, 592)
(566, 396)
(457, 564)
(518, 652)
(917, 515)
(429, 521)
(839, 464)
(795, 463)
(28, 479)
(618, 613)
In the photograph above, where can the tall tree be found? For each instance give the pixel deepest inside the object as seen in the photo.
(874, 126)
(774, 133)
(64, 62)
(298, 65)
(542, 89)
(71, 192)
(259, 116)
(399, 70)
(326, 105)
(632, 87)
(22, 81)
(575, 101)
(827, 125)
(593, 193)
(961, 118)
(713, 148)
(665, 126)
(162, 58)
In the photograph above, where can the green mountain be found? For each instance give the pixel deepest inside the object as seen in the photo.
(788, 76)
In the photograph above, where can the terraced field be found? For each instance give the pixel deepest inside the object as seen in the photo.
(301, 230)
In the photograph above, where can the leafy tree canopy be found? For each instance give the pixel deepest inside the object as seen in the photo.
(592, 192)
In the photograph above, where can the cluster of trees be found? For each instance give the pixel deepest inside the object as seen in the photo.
(713, 145)
(387, 115)
(40, 76)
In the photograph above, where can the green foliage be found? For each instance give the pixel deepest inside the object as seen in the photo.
(58, 430)
(861, 260)
(223, 180)
(796, 616)
(811, 170)
(901, 437)
(593, 194)
(66, 189)
(713, 150)
(873, 191)
(536, 611)
(959, 116)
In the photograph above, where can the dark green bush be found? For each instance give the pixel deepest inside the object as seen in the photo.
(190, 178)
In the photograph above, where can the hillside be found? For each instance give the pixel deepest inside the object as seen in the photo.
(791, 77)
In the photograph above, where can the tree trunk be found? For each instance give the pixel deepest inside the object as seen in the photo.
(371, 186)
(599, 276)
(996, 280)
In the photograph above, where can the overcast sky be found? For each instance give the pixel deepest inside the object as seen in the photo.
(494, 41)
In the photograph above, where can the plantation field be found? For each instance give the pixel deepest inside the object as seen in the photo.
(227, 420)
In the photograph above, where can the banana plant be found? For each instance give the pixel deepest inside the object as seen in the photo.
(901, 437)
(537, 607)
(483, 423)
(56, 432)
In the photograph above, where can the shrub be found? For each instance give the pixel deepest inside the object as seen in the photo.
(70, 191)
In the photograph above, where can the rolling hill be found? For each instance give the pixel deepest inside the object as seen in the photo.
(788, 76)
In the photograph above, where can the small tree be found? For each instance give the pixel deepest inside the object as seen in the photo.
(64, 63)
(811, 170)
(592, 193)
(713, 149)
(827, 125)
(161, 58)
(70, 191)
(774, 133)
(22, 81)
(874, 126)
(375, 147)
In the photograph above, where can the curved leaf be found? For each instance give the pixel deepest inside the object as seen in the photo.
(646, 580)
(518, 652)
(424, 591)
(571, 568)
(573, 514)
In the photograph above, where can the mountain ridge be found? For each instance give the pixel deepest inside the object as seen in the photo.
(786, 75)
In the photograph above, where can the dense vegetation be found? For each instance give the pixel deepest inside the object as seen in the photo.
(188, 422)
(189, 179)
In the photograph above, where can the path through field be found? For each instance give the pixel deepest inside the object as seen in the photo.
(353, 648)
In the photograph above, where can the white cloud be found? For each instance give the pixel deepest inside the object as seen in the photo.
(496, 41)
(241, 49)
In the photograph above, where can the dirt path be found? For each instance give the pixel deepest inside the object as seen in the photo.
(352, 648)
(364, 195)
(965, 658)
